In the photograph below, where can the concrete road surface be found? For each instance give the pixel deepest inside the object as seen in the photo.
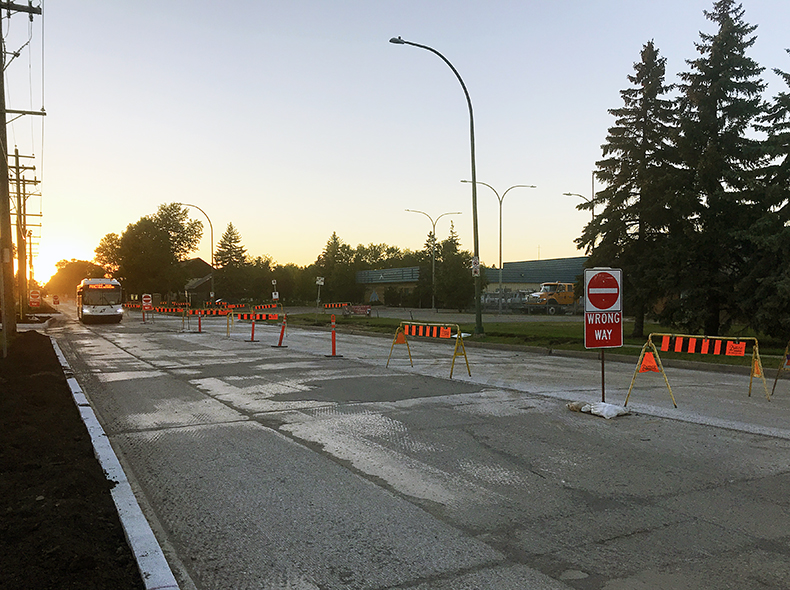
(267, 467)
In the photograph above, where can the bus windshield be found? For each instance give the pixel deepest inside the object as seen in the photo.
(102, 296)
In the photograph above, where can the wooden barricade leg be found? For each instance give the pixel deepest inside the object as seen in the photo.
(400, 338)
(757, 367)
(660, 366)
(459, 341)
(782, 366)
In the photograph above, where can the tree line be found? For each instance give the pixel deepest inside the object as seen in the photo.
(150, 255)
(694, 208)
(696, 194)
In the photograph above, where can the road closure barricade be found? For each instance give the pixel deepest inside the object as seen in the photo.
(650, 360)
(785, 366)
(443, 331)
(255, 316)
(350, 310)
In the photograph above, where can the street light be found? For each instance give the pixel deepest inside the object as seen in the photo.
(433, 250)
(478, 306)
(500, 199)
(211, 232)
(590, 200)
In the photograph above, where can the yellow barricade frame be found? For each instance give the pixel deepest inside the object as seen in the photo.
(783, 366)
(400, 338)
(756, 363)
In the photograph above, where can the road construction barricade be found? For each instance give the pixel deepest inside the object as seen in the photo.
(335, 306)
(206, 312)
(784, 366)
(254, 317)
(443, 331)
(650, 361)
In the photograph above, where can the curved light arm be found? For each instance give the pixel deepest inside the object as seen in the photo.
(502, 198)
(210, 227)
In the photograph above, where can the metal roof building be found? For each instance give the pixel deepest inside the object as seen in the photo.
(531, 273)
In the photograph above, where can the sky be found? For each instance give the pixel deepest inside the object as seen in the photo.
(293, 120)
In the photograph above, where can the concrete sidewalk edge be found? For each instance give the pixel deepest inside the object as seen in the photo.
(154, 569)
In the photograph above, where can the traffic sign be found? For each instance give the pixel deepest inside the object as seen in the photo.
(602, 289)
(603, 314)
(147, 302)
(35, 298)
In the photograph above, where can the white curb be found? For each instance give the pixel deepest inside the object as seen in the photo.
(151, 562)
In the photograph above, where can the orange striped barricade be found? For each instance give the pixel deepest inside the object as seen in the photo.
(784, 366)
(335, 306)
(444, 331)
(708, 345)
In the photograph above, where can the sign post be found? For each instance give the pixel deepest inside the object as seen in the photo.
(147, 304)
(34, 300)
(603, 312)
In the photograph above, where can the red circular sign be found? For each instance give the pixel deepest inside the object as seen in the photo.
(603, 290)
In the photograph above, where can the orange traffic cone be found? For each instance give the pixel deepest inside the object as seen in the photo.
(649, 364)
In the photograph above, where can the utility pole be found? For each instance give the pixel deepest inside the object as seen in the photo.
(21, 231)
(7, 305)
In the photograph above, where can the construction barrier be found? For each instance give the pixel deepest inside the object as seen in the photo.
(650, 360)
(785, 366)
(335, 305)
(258, 317)
(267, 306)
(444, 331)
(204, 312)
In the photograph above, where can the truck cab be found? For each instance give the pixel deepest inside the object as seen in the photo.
(554, 297)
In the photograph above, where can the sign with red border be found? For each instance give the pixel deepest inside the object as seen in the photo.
(603, 315)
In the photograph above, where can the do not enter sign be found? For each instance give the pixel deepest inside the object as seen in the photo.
(602, 291)
(603, 310)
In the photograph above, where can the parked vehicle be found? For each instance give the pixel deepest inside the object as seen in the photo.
(553, 297)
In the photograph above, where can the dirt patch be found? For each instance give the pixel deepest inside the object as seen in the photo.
(59, 528)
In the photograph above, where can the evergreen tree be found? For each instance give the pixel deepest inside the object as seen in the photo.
(764, 291)
(230, 252)
(335, 265)
(636, 169)
(455, 286)
(720, 103)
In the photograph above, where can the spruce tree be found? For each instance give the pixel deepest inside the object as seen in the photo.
(719, 106)
(635, 169)
(764, 291)
(230, 252)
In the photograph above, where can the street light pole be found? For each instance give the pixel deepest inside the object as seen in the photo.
(590, 200)
(433, 250)
(211, 231)
(500, 199)
(478, 289)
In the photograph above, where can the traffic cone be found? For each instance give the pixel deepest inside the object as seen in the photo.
(649, 364)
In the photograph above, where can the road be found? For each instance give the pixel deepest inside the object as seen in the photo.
(282, 467)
